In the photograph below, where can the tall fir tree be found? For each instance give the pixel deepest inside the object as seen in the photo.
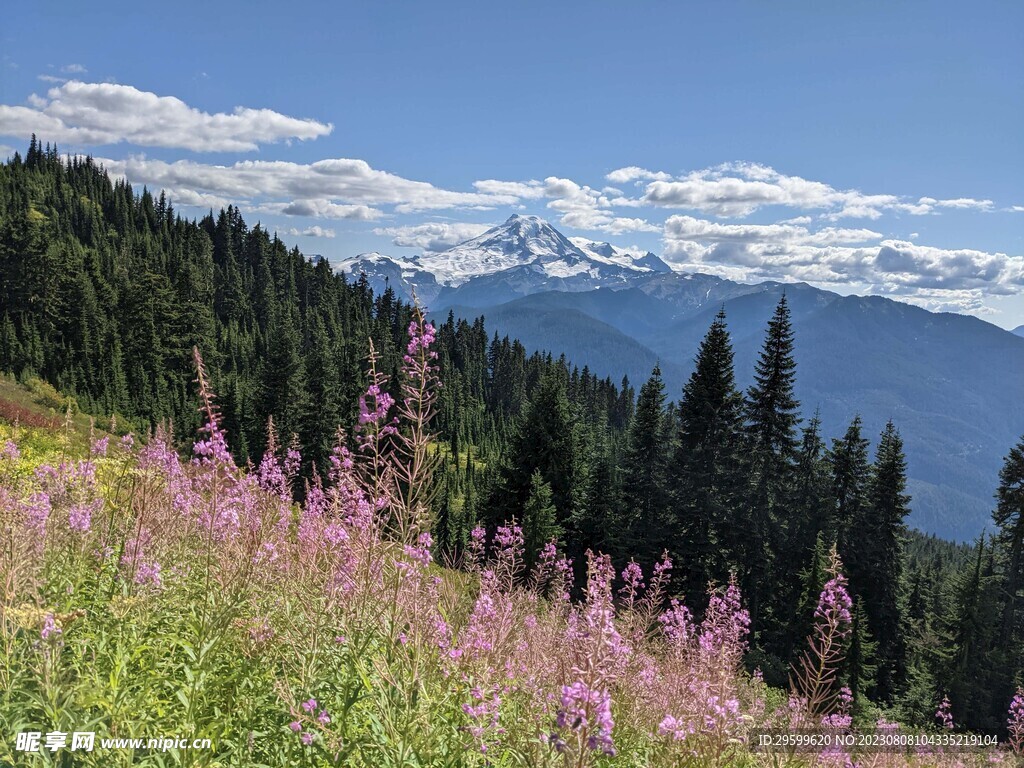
(543, 442)
(705, 471)
(851, 475)
(888, 506)
(644, 473)
(771, 414)
(1008, 517)
(861, 667)
(974, 675)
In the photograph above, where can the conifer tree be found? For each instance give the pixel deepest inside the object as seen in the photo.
(860, 662)
(705, 473)
(812, 493)
(887, 508)
(283, 380)
(771, 413)
(851, 474)
(445, 524)
(598, 523)
(644, 473)
(973, 674)
(809, 512)
(544, 442)
(1009, 520)
(812, 579)
(540, 524)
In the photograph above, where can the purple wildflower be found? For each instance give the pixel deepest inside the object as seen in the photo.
(50, 628)
(1015, 722)
(944, 714)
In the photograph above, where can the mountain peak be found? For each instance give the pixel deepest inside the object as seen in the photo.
(527, 242)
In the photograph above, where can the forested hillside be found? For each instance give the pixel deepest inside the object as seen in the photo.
(106, 292)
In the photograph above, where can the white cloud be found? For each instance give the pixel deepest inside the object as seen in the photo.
(701, 230)
(106, 113)
(933, 277)
(633, 173)
(432, 237)
(527, 190)
(320, 208)
(315, 231)
(190, 197)
(739, 189)
(51, 79)
(582, 207)
(960, 202)
(333, 188)
(73, 69)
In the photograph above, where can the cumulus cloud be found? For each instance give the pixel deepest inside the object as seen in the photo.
(315, 231)
(320, 208)
(106, 113)
(196, 199)
(633, 173)
(582, 207)
(934, 277)
(432, 237)
(679, 228)
(739, 189)
(338, 188)
(527, 190)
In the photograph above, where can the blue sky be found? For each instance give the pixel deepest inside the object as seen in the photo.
(863, 147)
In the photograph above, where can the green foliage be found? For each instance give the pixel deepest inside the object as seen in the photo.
(645, 474)
(706, 476)
(540, 524)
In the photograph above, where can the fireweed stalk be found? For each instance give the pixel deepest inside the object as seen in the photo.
(815, 677)
(323, 633)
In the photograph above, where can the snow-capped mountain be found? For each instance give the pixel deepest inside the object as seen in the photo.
(528, 241)
(404, 276)
(623, 257)
(524, 255)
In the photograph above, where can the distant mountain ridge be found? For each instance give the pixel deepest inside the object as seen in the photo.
(949, 382)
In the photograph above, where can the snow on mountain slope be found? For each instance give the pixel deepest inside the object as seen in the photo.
(405, 276)
(521, 256)
(375, 259)
(528, 240)
(520, 240)
(623, 257)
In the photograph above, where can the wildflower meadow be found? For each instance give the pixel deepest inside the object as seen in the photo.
(147, 594)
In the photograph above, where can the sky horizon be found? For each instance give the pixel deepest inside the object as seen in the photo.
(868, 150)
